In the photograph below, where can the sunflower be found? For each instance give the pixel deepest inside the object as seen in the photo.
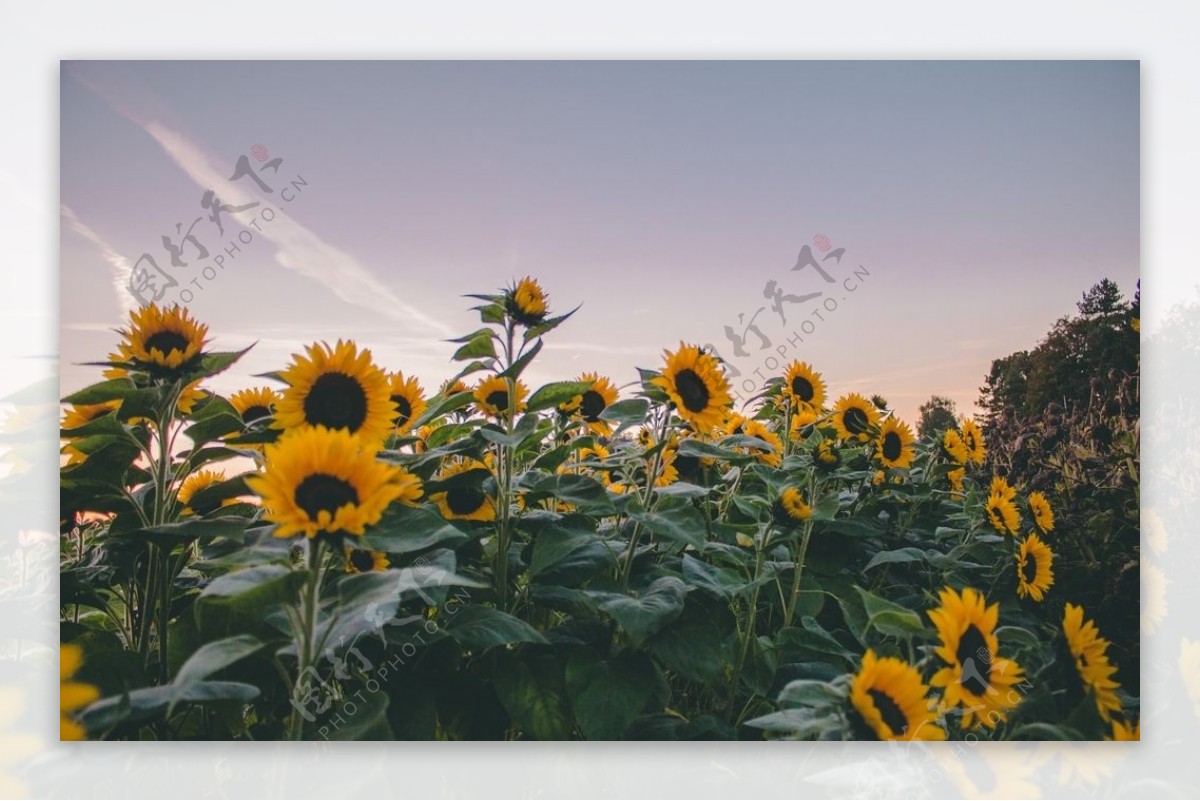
(667, 472)
(327, 480)
(72, 695)
(955, 477)
(526, 302)
(1043, 515)
(360, 561)
(854, 416)
(163, 339)
(1002, 513)
(891, 702)
(453, 386)
(894, 445)
(197, 482)
(975, 676)
(696, 385)
(1126, 730)
(409, 399)
(802, 424)
(878, 478)
(1001, 487)
(953, 447)
(826, 456)
(972, 437)
(804, 387)
(737, 424)
(123, 356)
(1035, 568)
(593, 402)
(790, 508)
(189, 396)
(338, 388)
(491, 396)
(77, 416)
(1090, 652)
(463, 501)
(422, 434)
(254, 404)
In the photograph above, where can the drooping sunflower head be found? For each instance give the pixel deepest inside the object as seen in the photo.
(802, 425)
(338, 388)
(464, 498)
(790, 507)
(76, 416)
(320, 480)
(827, 457)
(453, 386)
(592, 402)
(854, 416)
(953, 447)
(409, 399)
(360, 561)
(894, 446)
(72, 695)
(1035, 568)
(697, 386)
(955, 477)
(890, 702)
(804, 387)
(1043, 515)
(196, 482)
(163, 339)
(254, 404)
(1001, 487)
(972, 438)
(975, 676)
(759, 430)
(526, 302)
(491, 396)
(1003, 514)
(1090, 652)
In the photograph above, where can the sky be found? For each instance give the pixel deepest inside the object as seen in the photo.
(953, 210)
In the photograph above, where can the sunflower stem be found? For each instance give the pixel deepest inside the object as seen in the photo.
(651, 476)
(307, 635)
(789, 612)
(506, 465)
(751, 616)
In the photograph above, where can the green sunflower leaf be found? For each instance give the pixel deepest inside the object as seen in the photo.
(477, 628)
(558, 392)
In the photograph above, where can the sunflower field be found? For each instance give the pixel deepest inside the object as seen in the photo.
(336, 552)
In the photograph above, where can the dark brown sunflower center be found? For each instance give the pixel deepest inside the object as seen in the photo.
(890, 711)
(1029, 569)
(855, 420)
(362, 561)
(974, 656)
(891, 446)
(802, 388)
(464, 500)
(336, 401)
(321, 492)
(591, 405)
(692, 390)
(498, 400)
(253, 413)
(403, 409)
(166, 341)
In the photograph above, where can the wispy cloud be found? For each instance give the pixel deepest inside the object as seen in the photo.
(120, 265)
(299, 248)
